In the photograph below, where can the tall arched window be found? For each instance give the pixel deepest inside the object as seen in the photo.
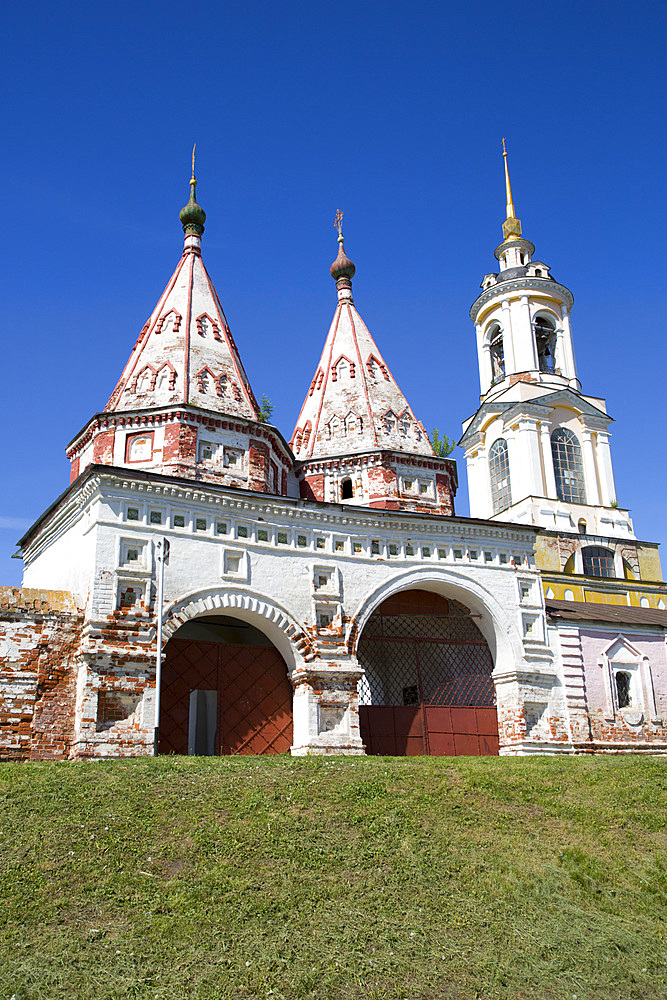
(499, 471)
(545, 339)
(568, 467)
(497, 352)
(598, 561)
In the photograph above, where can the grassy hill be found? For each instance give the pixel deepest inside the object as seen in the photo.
(332, 878)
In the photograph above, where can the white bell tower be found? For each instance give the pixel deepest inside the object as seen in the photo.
(537, 449)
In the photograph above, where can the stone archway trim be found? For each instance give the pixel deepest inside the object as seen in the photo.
(508, 645)
(202, 603)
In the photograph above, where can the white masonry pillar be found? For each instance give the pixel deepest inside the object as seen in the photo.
(548, 462)
(508, 339)
(570, 369)
(484, 358)
(590, 474)
(526, 323)
(607, 486)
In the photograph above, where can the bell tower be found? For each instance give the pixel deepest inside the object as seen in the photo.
(537, 449)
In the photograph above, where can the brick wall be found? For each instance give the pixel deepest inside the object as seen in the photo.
(40, 633)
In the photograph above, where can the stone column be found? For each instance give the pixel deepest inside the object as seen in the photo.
(484, 360)
(548, 462)
(570, 369)
(508, 338)
(527, 326)
(517, 482)
(590, 472)
(529, 458)
(607, 486)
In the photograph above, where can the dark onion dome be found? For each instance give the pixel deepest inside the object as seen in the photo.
(342, 267)
(192, 215)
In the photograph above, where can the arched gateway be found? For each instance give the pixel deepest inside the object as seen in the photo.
(427, 687)
(224, 690)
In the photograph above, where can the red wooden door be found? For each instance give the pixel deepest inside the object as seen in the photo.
(254, 696)
(255, 701)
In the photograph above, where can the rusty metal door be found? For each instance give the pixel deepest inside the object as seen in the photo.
(254, 696)
(428, 687)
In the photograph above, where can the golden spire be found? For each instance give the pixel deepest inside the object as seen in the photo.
(511, 225)
(193, 160)
(338, 223)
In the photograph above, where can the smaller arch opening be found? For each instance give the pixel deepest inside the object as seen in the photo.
(582, 526)
(346, 489)
(497, 353)
(545, 340)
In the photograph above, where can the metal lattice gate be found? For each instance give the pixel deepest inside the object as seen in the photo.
(254, 696)
(427, 687)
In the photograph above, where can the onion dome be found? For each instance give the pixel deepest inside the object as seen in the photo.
(192, 215)
(342, 267)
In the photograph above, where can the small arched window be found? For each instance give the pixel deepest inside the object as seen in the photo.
(598, 561)
(497, 352)
(582, 526)
(499, 471)
(346, 491)
(545, 340)
(568, 467)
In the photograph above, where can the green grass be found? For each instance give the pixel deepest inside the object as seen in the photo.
(332, 878)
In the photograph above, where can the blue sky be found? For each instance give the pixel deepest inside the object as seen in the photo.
(391, 111)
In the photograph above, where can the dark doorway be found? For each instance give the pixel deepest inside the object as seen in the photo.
(225, 690)
(428, 686)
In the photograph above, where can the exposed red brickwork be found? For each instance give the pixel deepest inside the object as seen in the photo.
(75, 469)
(41, 634)
(258, 461)
(523, 377)
(312, 488)
(103, 447)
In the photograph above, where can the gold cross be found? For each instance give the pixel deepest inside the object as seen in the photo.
(504, 150)
(338, 222)
(193, 159)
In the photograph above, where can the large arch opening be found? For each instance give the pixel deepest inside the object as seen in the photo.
(427, 687)
(224, 690)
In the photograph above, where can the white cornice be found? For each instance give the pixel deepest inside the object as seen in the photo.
(547, 287)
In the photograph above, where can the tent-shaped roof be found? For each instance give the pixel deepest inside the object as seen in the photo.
(185, 353)
(354, 403)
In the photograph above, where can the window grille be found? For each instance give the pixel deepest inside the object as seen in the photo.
(499, 471)
(568, 467)
(598, 561)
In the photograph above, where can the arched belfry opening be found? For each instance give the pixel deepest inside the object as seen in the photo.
(427, 687)
(224, 690)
